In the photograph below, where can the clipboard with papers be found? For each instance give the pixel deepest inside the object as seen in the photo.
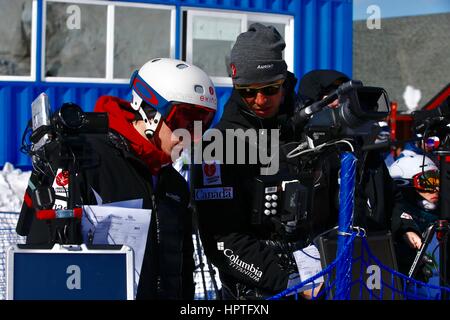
(124, 223)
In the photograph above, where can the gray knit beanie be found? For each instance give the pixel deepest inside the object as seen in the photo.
(256, 57)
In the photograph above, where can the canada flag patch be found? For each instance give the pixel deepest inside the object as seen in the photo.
(211, 173)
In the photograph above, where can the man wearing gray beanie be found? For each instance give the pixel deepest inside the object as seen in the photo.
(257, 56)
(258, 69)
(263, 94)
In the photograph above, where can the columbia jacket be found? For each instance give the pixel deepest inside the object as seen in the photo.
(244, 253)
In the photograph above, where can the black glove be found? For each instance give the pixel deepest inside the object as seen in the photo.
(425, 269)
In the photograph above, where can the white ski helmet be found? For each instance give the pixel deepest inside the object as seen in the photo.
(411, 164)
(164, 82)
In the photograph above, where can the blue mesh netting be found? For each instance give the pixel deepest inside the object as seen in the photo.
(393, 285)
(330, 282)
(8, 237)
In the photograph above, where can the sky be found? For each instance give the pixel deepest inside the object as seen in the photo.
(399, 8)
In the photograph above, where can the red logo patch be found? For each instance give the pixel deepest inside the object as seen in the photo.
(210, 169)
(233, 70)
(211, 90)
(62, 179)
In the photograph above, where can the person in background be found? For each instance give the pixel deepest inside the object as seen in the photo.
(419, 177)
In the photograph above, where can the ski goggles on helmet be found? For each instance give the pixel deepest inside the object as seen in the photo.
(267, 90)
(183, 116)
(427, 181)
(148, 94)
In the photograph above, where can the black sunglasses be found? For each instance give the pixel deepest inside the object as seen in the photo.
(269, 90)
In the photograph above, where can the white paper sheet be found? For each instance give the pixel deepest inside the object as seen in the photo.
(308, 264)
(118, 225)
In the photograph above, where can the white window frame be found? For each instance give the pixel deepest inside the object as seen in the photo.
(191, 14)
(33, 50)
(245, 16)
(109, 59)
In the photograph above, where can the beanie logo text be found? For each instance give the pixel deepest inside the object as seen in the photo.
(264, 66)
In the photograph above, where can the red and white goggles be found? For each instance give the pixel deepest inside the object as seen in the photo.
(183, 116)
(427, 181)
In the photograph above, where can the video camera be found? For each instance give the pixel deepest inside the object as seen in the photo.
(280, 199)
(359, 107)
(60, 150)
(69, 120)
(433, 122)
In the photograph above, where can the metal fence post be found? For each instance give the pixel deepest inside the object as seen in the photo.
(345, 245)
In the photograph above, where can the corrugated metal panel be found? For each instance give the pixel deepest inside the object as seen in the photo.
(322, 39)
(323, 36)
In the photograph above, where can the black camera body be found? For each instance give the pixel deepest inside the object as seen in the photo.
(70, 119)
(359, 107)
(433, 122)
(280, 199)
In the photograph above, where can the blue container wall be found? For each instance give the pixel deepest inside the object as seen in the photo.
(322, 40)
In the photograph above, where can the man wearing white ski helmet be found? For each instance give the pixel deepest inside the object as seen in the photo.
(167, 94)
(131, 162)
(174, 91)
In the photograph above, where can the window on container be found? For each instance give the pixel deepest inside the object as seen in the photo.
(75, 40)
(140, 34)
(17, 38)
(210, 37)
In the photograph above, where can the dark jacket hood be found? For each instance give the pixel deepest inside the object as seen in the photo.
(316, 83)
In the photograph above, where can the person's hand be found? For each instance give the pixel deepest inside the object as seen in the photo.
(427, 268)
(334, 104)
(413, 240)
(307, 294)
(310, 293)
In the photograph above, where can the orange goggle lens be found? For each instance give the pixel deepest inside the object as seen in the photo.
(183, 116)
(427, 181)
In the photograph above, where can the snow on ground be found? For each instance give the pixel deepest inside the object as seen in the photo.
(13, 183)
